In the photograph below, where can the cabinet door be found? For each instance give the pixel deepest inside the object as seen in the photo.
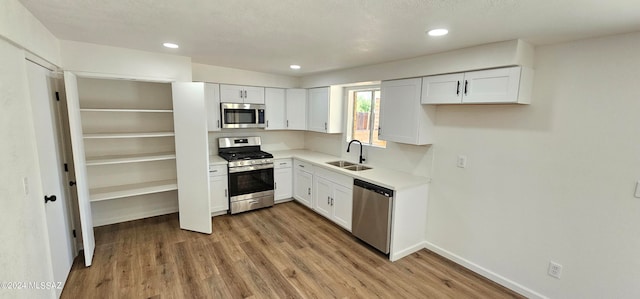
(296, 109)
(444, 89)
(275, 109)
(400, 100)
(492, 86)
(322, 196)
(219, 193)
(231, 94)
(212, 103)
(318, 109)
(342, 206)
(283, 182)
(253, 95)
(302, 187)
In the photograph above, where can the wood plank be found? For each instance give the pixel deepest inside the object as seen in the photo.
(283, 251)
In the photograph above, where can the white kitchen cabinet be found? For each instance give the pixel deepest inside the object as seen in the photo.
(282, 179)
(503, 85)
(275, 110)
(403, 118)
(296, 110)
(303, 182)
(212, 103)
(218, 189)
(241, 94)
(333, 197)
(325, 109)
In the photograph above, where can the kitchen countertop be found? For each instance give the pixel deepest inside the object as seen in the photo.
(216, 160)
(392, 179)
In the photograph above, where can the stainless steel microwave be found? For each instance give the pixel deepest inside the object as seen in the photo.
(239, 116)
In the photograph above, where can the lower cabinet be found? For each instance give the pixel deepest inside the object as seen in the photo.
(333, 197)
(218, 189)
(303, 182)
(282, 179)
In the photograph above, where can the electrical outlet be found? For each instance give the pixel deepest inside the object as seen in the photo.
(462, 161)
(555, 269)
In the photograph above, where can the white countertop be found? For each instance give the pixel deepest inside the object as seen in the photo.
(216, 160)
(392, 179)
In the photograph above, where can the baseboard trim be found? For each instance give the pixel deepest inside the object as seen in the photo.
(129, 217)
(514, 286)
(407, 251)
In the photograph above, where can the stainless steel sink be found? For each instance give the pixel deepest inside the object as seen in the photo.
(341, 164)
(357, 167)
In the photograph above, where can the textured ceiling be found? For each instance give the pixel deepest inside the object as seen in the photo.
(323, 35)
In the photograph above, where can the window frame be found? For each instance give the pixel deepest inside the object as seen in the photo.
(350, 94)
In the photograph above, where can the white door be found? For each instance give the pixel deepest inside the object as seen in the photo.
(51, 171)
(219, 193)
(398, 115)
(296, 109)
(77, 147)
(322, 197)
(342, 206)
(275, 108)
(253, 95)
(318, 109)
(302, 187)
(231, 94)
(282, 180)
(443, 89)
(492, 86)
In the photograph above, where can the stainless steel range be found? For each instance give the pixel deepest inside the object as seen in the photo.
(250, 173)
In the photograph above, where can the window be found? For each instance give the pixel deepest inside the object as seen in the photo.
(366, 112)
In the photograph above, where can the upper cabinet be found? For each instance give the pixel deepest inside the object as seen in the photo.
(275, 108)
(241, 94)
(402, 117)
(503, 85)
(325, 110)
(296, 111)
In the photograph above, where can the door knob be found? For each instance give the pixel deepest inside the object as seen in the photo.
(72, 183)
(49, 198)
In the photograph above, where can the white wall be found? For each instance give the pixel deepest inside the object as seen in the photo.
(219, 74)
(549, 181)
(24, 250)
(21, 28)
(87, 59)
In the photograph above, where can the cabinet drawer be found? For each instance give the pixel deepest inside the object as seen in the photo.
(301, 165)
(215, 170)
(282, 163)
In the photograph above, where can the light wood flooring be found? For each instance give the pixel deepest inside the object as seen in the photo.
(286, 251)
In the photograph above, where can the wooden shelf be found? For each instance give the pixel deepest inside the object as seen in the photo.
(126, 110)
(106, 193)
(128, 135)
(122, 159)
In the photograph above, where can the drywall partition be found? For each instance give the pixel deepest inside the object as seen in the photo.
(552, 181)
(92, 60)
(225, 75)
(20, 27)
(25, 254)
(514, 52)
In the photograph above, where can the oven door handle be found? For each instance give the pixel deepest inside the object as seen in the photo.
(250, 168)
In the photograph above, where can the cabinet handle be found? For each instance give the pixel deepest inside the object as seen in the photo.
(267, 123)
(283, 163)
(466, 83)
(49, 198)
(226, 193)
(287, 123)
(218, 124)
(245, 94)
(332, 201)
(301, 165)
(379, 130)
(325, 126)
(328, 200)
(275, 185)
(215, 170)
(309, 192)
(241, 94)
(458, 88)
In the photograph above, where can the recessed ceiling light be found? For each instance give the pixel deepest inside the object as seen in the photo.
(294, 67)
(171, 45)
(438, 32)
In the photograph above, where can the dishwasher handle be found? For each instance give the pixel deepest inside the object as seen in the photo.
(373, 188)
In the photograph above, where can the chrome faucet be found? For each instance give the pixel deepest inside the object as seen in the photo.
(349, 146)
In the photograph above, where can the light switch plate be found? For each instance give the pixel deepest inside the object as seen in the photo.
(462, 161)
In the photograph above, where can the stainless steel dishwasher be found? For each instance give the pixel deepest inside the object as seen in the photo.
(371, 221)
